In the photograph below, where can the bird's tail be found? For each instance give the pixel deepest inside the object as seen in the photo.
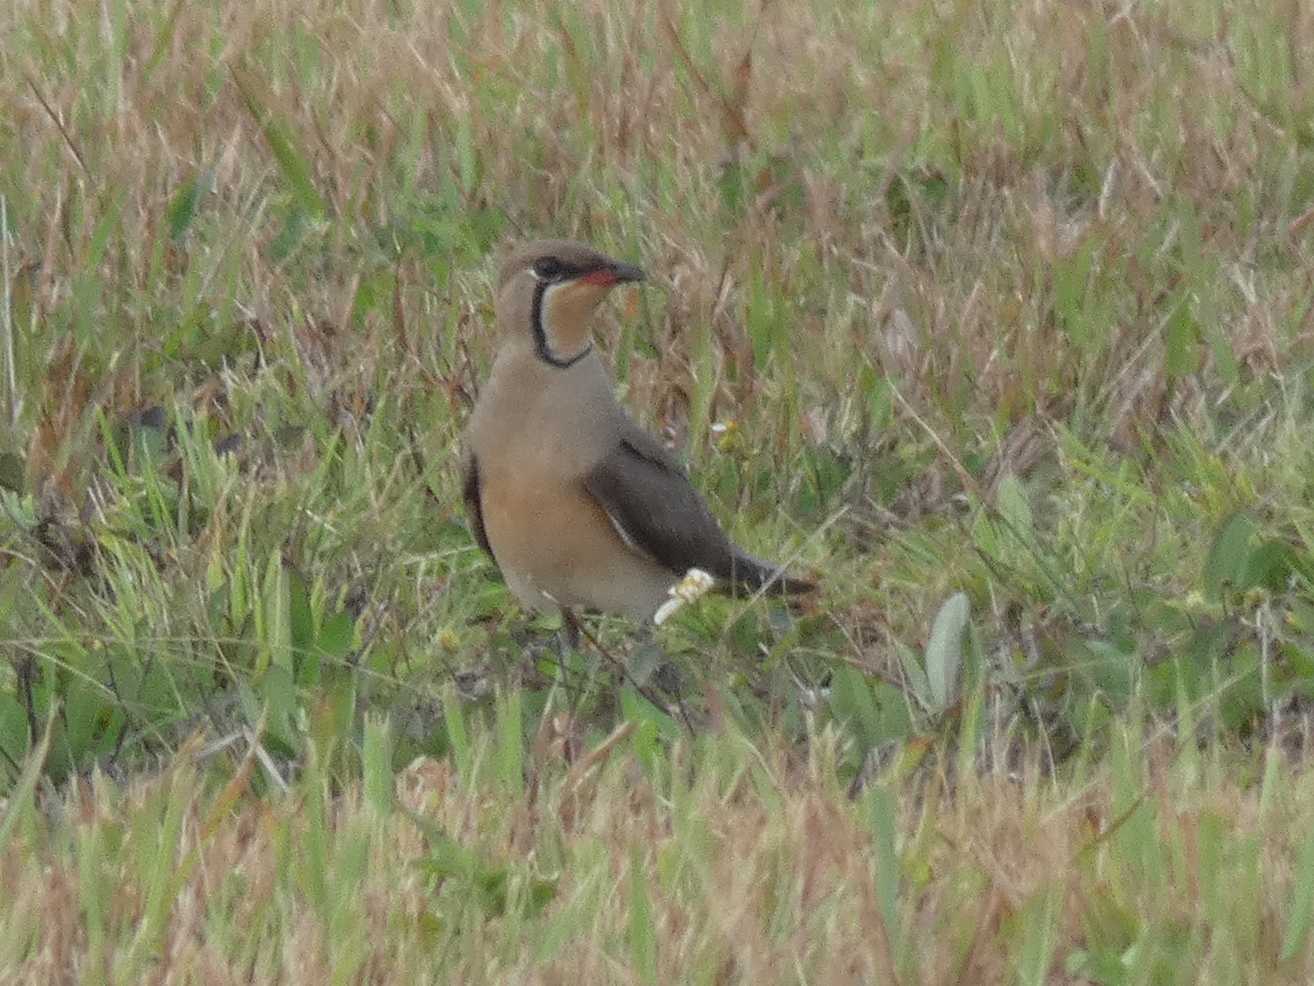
(753, 574)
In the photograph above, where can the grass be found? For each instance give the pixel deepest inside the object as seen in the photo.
(712, 860)
(998, 316)
(715, 860)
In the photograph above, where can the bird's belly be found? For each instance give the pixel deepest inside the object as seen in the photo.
(556, 546)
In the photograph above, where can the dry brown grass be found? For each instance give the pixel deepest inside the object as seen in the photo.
(753, 871)
(1057, 130)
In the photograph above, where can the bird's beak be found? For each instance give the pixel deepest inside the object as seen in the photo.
(627, 272)
(612, 274)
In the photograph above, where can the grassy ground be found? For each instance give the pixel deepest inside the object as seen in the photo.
(997, 315)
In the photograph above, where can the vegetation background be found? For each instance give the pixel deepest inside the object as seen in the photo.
(996, 314)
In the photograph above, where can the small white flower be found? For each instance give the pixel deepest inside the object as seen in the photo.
(695, 583)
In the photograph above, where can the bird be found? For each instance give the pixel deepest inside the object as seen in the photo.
(577, 506)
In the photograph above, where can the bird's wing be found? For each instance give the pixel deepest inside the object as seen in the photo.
(655, 508)
(473, 506)
(657, 512)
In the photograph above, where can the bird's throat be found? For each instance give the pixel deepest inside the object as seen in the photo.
(561, 316)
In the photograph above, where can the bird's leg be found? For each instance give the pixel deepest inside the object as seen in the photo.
(568, 638)
(649, 664)
(570, 630)
(652, 673)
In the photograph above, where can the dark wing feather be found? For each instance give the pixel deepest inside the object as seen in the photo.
(657, 511)
(473, 507)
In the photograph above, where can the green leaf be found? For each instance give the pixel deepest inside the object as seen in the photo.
(851, 699)
(301, 626)
(1015, 508)
(542, 891)
(1181, 341)
(290, 234)
(642, 935)
(278, 689)
(467, 156)
(458, 736)
(301, 620)
(484, 883)
(915, 675)
(337, 636)
(882, 816)
(1270, 565)
(446, 856)
(105, 227)
(278, 624)
(13, 728)
(150, 444)
(376, 763)
(12, 472)
(1072, 276)
(1302, 904)
(20, 799)
(944, 651)
(182, 209)
(282, 144)
(1106, 665)
(89, 712)
(278, 683)
(1229, 556)
(730, 186)
(509, 753)
(638, 709)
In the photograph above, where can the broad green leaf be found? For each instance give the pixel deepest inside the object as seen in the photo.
(278, 689)
(915, 675)
(337, 636)
(1015, 508)
(89, 712)
(1269, 565)
(944, 651)
(1229, 557)
(853, 698)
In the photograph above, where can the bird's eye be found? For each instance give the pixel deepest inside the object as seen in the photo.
(548, 269)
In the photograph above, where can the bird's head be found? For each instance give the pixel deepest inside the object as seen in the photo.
(548, 291)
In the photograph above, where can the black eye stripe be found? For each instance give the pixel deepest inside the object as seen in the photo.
(549, 269)
(552, 269)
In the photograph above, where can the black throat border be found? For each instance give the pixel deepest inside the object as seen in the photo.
(540, 334)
